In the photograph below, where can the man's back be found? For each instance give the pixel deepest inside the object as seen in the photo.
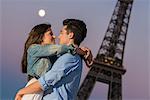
(63, 79)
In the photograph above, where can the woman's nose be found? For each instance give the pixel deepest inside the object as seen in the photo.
(54, 36)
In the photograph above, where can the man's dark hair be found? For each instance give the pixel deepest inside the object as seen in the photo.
(78, 27)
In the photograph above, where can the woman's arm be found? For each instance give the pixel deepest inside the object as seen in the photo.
(48, 50)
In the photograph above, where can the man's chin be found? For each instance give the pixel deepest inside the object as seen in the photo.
(60, 43)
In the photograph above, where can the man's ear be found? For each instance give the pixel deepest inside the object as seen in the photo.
(71, 35)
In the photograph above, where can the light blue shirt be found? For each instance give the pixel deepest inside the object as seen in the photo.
(63, 79)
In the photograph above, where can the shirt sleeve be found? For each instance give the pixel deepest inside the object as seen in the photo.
(61, 68)
(48, 50)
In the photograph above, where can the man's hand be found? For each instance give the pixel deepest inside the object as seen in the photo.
(30, 89)
(18, 96)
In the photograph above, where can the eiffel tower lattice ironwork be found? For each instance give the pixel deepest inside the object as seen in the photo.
(108, 64)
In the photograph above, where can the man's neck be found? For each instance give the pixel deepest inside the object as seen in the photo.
(75, 45)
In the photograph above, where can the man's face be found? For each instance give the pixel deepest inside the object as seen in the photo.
(63, 36)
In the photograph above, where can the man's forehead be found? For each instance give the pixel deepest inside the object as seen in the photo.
(65, 26)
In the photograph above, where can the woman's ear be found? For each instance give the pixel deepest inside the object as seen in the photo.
(71, 35)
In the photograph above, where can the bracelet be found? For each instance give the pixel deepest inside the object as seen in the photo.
(86, 55)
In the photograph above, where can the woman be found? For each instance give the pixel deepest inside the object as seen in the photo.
(40, 52)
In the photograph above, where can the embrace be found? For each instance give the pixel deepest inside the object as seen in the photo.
(54, 70)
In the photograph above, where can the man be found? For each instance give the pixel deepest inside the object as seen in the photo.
(63, 79)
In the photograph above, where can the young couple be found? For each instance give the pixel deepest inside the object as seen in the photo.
(54, 71)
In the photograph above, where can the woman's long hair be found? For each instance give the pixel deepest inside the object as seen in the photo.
(35, 37)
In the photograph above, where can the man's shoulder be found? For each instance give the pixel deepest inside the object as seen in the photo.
(68, 61)
(68, 56)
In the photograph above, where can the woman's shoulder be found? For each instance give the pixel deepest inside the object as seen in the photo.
(33, 47)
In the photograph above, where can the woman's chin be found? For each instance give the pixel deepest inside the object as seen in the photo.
(53, 42)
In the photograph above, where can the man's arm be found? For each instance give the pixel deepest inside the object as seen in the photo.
(32, 88)
(61, 68)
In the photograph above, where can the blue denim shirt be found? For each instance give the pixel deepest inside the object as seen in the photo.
(41, 57)
(63, 79)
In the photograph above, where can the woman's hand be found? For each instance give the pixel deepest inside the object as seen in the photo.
(87, 55)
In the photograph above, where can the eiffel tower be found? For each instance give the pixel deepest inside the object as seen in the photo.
(108, 64)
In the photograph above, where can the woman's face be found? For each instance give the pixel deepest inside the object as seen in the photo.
(48, 37)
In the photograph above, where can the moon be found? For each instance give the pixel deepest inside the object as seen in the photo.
(41, 13)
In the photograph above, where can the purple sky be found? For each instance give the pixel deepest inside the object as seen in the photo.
(17, 17)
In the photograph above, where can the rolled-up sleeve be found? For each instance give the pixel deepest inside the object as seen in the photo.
(50, 78)
(44, 85)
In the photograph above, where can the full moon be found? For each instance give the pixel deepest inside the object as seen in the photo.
(41, 13)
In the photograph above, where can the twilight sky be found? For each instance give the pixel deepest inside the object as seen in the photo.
(17, 17)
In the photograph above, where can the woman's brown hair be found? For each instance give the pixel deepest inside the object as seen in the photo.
(35, 37)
